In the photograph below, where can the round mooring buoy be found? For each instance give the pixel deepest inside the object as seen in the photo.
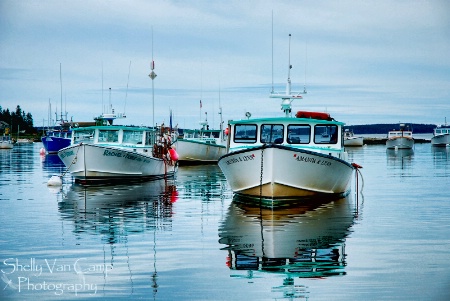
(55, 180)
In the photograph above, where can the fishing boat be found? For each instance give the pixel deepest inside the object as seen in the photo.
(112, 153)
(400, 139)
(441, 135)
(57, 138)
(201, 145)
(351, 140)
(6, 142)
(287, 157)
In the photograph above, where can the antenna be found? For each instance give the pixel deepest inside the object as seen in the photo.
(272, 51)
(152, 75)
(288, 97)
(288, 86)
(103, 108)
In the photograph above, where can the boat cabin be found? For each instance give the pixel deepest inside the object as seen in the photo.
(442, 130)
(112, 135)
(395, 134)
(207, 136)
(293, 132)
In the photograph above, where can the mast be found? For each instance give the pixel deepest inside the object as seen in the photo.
(60, 82)
(289, 96)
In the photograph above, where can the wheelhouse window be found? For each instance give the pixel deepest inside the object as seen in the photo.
(108, 136)
(150, 137)
(132, 137)
(325, 134)
(245, 133)
(85, 136)
(272, 133)
(299, 134)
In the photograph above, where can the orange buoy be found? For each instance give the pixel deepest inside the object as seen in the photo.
(173, 154)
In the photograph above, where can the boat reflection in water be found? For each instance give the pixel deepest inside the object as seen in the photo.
(401, 158)
(116, 214)
(117, 210)
(52, 162)
(305, 241)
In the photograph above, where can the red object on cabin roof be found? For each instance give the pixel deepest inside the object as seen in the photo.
(314, 115)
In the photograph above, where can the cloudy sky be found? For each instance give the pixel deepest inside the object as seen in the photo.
(362, 61)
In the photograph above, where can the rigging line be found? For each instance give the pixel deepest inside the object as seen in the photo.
(126, 93)
(306, 62)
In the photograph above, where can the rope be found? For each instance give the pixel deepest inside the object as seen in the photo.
(73, 161)
(261, 174)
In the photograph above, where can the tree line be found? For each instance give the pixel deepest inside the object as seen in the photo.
(385, 128)
(17, 121)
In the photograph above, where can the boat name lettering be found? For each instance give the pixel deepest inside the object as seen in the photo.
(313, 160)
(67, 154)
(132, 157)
(110, 153)
(240, 159)
(121, 155)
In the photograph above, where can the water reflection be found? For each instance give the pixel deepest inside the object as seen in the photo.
(305, 241)
(400, 158)
(440, 152)
(115, 211)
(205, 182)
(51, 161)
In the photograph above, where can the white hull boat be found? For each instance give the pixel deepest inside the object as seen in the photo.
(287, 157)
(286, 170)
(6, 142)
(199, 150)
(115, 153)
(401, 139)
(202, 145)
(351, 140)
(441, 136)
(94, 163)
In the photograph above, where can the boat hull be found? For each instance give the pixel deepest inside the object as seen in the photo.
(6, 145)
(96, 163)
(53, 144)
(277, 171)
(354, 141)
(400, 142)
(441, 140)
(197, 151)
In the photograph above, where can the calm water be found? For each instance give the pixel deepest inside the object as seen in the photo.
(187, 239)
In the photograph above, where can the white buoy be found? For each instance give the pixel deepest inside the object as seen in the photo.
(42, 151)
(55, 180)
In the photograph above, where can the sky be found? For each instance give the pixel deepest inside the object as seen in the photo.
(363, 62)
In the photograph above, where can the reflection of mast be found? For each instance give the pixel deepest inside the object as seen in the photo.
(154, 274)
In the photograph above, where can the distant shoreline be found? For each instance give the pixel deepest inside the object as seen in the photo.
(384, 128)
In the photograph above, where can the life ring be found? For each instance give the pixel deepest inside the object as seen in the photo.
(313, 115)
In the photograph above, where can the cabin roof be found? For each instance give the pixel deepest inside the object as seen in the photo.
(285, 120)
(114, 128)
